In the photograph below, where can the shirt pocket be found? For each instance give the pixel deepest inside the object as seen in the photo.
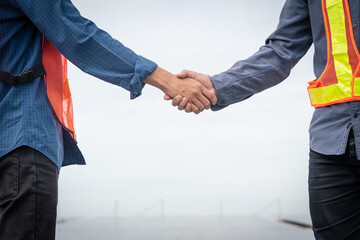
(9, 176)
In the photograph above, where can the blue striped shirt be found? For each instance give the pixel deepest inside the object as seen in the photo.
(25, 116)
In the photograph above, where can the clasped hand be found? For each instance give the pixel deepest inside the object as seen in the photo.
(184, 103)
(190, 91)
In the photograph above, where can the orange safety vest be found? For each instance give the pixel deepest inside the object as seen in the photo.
(57, 86)
(54, 70)
(340, 81)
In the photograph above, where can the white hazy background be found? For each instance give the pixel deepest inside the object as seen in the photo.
(141, 151)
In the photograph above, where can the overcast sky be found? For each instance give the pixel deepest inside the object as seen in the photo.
(144, 150)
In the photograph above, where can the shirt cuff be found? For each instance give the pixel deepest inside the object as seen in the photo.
(221, 102)
(226, 92)
(143, 68)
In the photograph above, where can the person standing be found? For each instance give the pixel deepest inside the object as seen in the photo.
(37, 135)
(334, 166)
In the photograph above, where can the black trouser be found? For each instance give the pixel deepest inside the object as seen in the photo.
(28, 196)
(334, 190)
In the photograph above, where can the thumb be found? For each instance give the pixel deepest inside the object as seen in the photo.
(183, 74)
(187, 74)
(210, 95)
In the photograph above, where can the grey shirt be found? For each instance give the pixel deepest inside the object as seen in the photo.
(301, 24)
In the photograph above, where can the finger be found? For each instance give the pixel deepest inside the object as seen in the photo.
(209, 95)
(203, 99)
(194, 109)
(188, 108)
(199, 104)
(182, 104)
(183, 74)
(176, 101)
(167, 97)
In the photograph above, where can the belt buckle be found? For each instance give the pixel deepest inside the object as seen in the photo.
(23, 77)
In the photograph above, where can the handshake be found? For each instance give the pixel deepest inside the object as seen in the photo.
(190, 91)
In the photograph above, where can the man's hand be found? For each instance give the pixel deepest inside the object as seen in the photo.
(181, 101)
(196, 94)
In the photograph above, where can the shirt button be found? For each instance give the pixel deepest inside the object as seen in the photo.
(355, 25)
(355, 115)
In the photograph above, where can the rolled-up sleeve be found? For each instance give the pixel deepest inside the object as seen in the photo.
(91, 49)
(272, 63)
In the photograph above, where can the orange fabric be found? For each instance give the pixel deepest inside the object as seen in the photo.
(353, 43)
(57, 86)
(328, 77)
(329, 72)
(353, 52)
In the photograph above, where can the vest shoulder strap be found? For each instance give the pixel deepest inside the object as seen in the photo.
(25, 77)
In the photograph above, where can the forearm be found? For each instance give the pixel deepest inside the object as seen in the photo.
(161, 79)
(94, 51)
(261, 71)
(272, 63)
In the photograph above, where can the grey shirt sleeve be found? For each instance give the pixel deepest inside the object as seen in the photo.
(272, 63)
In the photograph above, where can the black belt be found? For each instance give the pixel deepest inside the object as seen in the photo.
(25, 77)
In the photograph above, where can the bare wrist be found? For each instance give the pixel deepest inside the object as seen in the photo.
(160, 78)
